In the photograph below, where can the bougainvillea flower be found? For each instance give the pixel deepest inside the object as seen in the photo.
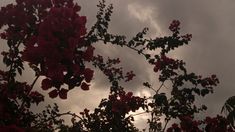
(85, 86)
(46, 84)
(63, 93)
(88, 74)
(53, 93)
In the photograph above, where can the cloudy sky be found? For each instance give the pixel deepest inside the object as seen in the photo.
(211, 50)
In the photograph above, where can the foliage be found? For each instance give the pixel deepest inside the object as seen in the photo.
(38, 31)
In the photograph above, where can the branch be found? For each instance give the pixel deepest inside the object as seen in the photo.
(167, 121)
(160, 87)
(32, 85)
(137, 114)
(28, 92)
(59, 115)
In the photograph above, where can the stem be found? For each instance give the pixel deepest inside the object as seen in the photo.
(12, 49)
(9, 77)
(67, 113)
(160, 87)
(150, 125)
(28, 92)
(154, 90)
(137, 114)
(125, 44)
(59, 115)
(135, 50)
(32, 85)
(167, 121)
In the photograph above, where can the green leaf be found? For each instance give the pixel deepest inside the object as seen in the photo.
(147, 56)
(229, 109)
(160, 99)
(204, 92)
(19, 71)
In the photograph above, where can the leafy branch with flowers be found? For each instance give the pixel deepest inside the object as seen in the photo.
(51, 37)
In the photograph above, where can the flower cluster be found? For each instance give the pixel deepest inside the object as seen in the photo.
(165, 62)
(174, 26)
(11, 128)
(186, 37)
(209, 81)
(215, 124)
(123, 103)
(60, 50)
(129, 76)
(168, 67)
(218, 124)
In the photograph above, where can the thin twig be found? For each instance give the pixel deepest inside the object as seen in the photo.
(28, 92)
(137, 114)
(32, 85)
(59, 115)
(160, 87)
(167, 120)
(154, 90)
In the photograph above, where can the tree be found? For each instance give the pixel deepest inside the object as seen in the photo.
(38, 31)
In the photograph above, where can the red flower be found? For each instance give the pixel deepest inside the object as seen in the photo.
(170, 129)
(186, 122)
(187, 37)
(213, 76)
(175, 125)
(46, 84)
(63, 93)
(88, 74)
(88, 54)
(32, 54)
(56, 72)
(82, 20)
(77, 8)
(85, 86)
(174, 27)
(53, 93)
(76, 70)
(45, 49)
(11, 128)
(3, 35)
(129, 94)
(72, 43)
(157, 66)
(129, 76)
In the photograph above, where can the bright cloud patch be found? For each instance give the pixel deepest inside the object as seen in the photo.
(144, 15)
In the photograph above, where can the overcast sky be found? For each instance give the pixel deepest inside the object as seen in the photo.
(211, 50)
